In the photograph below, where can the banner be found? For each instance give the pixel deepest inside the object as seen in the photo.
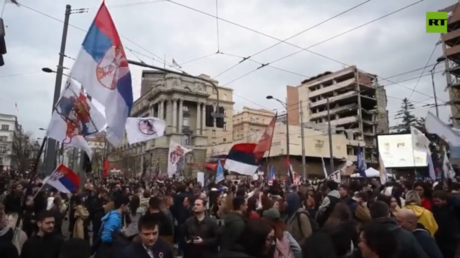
(176, 157)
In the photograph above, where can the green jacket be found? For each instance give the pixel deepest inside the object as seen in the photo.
(234, 225)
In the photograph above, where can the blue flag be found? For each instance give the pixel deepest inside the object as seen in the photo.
(220, 173)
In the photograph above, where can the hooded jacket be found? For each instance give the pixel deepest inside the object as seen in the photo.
(427, 242)
(408, 247)
(424, 217)
(111, 223)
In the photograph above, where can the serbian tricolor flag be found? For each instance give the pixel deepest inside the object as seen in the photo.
(63, 179)
(265, 141)
(242, 160)
(102, 69)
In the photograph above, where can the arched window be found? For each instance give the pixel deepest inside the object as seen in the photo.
(224, 97)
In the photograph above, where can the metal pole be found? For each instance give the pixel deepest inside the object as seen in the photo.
(33, 173)
(51, 148)
(329, 132)
(304, 163)
(434, 92)
(287, 145)
(215, 115)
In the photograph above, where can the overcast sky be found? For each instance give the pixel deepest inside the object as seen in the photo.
(155, 29)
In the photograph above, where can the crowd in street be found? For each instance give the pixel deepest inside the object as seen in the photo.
(128, 217)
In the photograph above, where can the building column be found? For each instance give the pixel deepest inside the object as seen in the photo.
(203, 119)
(174, 116)
(181, 115)
(168, 115)
(198, 122)
(160, 110)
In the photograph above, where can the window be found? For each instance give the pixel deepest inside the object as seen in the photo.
(3, 138)
(214, 91)
(5, 127)
(3, 149)
(185, 108)
(224, 97)
(213, 133)
(187, 140)
(185, 121)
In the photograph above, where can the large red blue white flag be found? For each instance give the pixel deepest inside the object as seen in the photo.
(74, 117)
(102, 69)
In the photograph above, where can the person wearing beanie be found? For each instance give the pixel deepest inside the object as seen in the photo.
(286, 245)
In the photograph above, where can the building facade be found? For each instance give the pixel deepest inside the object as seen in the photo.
(451, 50)
(250, 124)
(354, 101)
(187, 105)
(10, 131)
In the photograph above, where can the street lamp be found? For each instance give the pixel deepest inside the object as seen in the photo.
(287, 131)
(439, 60)
(47, 70)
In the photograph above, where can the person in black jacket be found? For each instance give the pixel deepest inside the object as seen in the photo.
(408, 220)
(408, 246)
(13, 204)
(166, 226)
(150, 244)
(46, 243)
(201, 232)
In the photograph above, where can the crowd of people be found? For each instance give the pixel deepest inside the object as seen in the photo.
(180, 218)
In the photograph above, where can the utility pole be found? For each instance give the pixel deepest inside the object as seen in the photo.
(329, 132)
(287, 145)
(50, 160)
(304, 165)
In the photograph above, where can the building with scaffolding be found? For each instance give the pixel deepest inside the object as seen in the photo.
(451, 49)
(353, 100)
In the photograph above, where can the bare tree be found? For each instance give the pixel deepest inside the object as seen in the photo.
(24, 151)
(125, 160)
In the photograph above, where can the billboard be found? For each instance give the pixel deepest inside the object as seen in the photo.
(396, 151)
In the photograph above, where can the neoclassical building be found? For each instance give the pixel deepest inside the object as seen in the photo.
(186, 104)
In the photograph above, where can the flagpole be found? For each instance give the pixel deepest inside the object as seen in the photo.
(3, 9)
(413, 160)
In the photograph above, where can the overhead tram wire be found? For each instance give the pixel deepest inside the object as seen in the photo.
(305, 76)
(291, 37)
(432, 53)
(326, 40)
(54, 18)
(291, 44)
(382, 85)
(198, 58)
(83, 30)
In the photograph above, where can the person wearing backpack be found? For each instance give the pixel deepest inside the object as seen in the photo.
(298, 221)
(110, 239)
